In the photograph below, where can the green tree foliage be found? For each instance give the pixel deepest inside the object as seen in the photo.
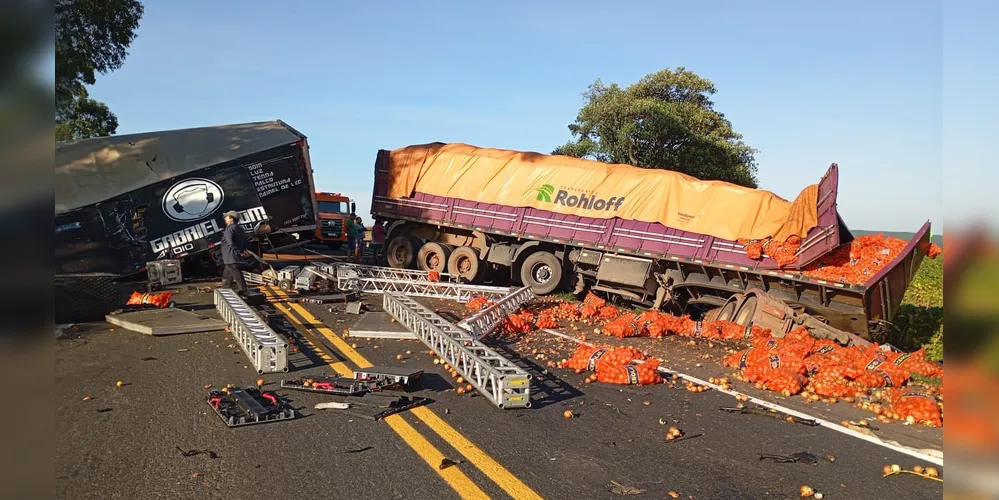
(91, 37)
(666, 120)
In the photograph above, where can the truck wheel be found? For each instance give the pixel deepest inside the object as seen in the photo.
(727, 311)
(401, 252)
(433, 256)
(746, 312)
(542, 272)
(464, 262)
(285, 285)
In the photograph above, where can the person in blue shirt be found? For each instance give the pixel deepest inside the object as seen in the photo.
(359, 232)
(233, 251)
(350, 231)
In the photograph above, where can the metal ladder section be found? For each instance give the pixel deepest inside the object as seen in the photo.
(452, 291)
(485, 321)
(500, 381)
(267, 351)
(348, 270)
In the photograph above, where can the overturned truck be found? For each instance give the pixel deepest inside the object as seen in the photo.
(123, 201)
(652, 237)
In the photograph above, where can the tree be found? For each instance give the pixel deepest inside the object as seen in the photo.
(666, 120)
(91, 36)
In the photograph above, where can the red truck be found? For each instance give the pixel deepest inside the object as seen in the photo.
(465, 232)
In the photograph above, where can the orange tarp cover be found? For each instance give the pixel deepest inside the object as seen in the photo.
(595, 189)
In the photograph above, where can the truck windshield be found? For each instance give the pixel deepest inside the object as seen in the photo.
(337, 207)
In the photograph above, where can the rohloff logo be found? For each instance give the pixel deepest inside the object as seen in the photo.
(545, 192)
(192, 199)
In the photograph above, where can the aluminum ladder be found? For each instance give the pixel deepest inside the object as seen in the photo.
(347, 270)
(452, 291)
(495, 377)
(267, 351)
(485, 321)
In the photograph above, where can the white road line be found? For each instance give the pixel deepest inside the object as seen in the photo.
(935, 458)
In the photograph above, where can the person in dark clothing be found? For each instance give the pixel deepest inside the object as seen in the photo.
(233, 251)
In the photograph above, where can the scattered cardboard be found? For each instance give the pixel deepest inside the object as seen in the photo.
(168, 321)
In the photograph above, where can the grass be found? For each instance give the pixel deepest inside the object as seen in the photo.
(919, 322)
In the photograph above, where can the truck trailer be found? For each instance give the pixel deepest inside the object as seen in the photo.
(651, 237)
(125, 200)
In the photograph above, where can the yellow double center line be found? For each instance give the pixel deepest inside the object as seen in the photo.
(427, 451)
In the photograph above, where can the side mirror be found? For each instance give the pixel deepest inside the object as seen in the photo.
(353, 208)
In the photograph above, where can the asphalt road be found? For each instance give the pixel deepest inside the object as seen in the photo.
(126, 442)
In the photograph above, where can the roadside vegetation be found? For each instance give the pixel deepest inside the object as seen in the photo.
(919, 322)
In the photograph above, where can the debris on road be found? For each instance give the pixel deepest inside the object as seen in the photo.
(759, 410)
(191, 453)
(359, 450)
(238, 407)
(447, 462)
(918, 470)
(159, 322)
(332, 405)
(802, 457)
(620, 489)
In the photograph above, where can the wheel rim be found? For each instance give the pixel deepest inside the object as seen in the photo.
(542, 273)
(464, 265)
(433, 260)
(401, 253)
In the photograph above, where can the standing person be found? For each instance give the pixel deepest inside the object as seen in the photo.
(233, 250)
(349, 229)
(359, 237)
(377, 239)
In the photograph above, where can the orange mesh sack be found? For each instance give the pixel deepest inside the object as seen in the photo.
(591, 305)
(918, 406)
(160, 299)
(917, 363)
(830, 386)
(478, 303)
(546, 319)
(585, 358)
(619, 356)
(608, 312)
(881, 378)
(642, 374)
(624, 326)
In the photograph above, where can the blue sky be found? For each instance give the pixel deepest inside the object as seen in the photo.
(859, 83)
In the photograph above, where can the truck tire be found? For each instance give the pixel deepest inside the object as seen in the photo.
(86, 297)
(727, 312)
(433, 256)
(464, 262)
(401, 252)
(286, 285)
(746, 311)
(541, 271)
